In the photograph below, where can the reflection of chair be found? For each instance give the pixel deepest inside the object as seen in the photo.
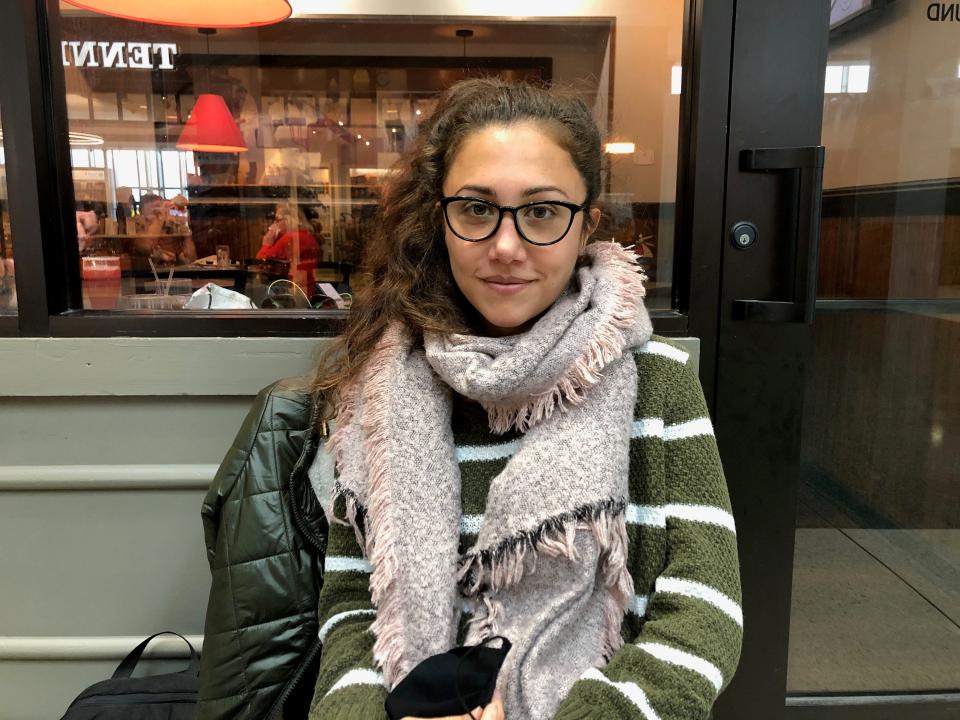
(269, 270)
(343, 269)
(341, 283)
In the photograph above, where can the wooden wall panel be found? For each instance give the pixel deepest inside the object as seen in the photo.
(898, 241)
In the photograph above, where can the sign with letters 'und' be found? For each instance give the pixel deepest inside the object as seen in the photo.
(138, 55)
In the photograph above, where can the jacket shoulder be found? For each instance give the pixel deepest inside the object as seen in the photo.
(285, 405)
(282, 407)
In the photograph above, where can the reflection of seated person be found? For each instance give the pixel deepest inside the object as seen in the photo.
(87, 225)
(162, 231)
(291, 225)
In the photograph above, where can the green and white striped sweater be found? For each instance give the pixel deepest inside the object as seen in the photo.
(684, 628)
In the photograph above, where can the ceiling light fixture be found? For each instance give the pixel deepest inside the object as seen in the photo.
(464, 33)
(84, 139)
(210, 127)
(619, 148)
(190, 13)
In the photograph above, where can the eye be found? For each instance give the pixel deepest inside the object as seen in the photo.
(541, 212)
(478, 209)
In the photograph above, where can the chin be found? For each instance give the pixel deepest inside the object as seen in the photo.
(507, 323)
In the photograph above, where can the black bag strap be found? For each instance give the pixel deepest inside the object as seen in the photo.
(125, 668)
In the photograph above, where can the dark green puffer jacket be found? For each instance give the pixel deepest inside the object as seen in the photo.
(266, 538)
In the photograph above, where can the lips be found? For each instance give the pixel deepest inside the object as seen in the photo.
(505, 280)
(504, 285)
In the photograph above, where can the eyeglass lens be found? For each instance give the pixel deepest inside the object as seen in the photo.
(541, 223)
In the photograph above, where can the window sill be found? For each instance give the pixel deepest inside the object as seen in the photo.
(233, 323)
(197, 323)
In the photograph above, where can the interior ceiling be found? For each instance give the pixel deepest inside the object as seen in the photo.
(369, 30)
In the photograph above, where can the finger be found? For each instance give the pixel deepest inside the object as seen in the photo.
(494, 711)
(498, 701)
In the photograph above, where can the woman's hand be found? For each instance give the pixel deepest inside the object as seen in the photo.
(493, 711)
(271, 235)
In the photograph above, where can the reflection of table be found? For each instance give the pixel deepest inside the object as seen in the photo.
(206, 273)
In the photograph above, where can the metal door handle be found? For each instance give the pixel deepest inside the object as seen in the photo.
(809, 162)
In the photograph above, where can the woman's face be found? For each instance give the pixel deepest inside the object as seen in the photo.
(509, 281)
(280, 218)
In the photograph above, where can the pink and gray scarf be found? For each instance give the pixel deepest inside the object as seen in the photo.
(569, 383)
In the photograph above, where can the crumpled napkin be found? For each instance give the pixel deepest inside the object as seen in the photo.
(215, 297)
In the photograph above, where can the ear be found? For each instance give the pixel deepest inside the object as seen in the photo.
(592, 221)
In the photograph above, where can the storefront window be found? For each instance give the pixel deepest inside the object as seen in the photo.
(8, 290)
(316, 110)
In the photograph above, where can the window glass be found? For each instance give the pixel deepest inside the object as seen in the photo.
(8, 290)
(321, 106)
(876, 585)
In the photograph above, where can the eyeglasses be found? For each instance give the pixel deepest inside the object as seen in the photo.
(543, 222)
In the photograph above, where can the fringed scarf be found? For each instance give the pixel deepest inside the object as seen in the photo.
(569, 383)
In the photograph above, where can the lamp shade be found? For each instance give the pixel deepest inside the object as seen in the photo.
(190, 13)
(211, 128)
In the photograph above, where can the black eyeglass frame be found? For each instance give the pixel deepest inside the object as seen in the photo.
(501, 209)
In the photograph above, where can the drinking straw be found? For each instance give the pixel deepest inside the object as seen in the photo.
(166, 290)
(153, 269)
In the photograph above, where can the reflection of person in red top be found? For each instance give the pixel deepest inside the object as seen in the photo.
(290, 238)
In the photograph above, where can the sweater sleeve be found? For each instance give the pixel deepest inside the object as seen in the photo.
(691, 624)
(349, 687)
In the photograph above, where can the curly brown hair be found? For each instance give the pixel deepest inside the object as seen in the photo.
(406, 261)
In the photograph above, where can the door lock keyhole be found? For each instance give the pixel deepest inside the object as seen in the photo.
(743, 235)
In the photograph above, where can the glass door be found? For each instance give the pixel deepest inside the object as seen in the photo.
(837, 345)
(875, 612)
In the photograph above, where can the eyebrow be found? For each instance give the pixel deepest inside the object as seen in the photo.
(484, 190)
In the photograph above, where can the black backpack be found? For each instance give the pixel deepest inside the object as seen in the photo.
(157, 697)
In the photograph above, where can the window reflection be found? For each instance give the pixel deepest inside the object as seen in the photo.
(877, 522)
(323, 107)
(8, 289)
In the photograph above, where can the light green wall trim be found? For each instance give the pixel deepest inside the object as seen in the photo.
(86, 367)
(83, 367)
(44, 647)
(692, 346)
(105, 477)
(120, 431)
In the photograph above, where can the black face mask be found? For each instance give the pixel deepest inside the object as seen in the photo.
(451, 683)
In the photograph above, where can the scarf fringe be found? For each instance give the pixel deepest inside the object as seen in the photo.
(346, 409)
(356, 514)
(605, 346)
(489, 571)
(388, 627)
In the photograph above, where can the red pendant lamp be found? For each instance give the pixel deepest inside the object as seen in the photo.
(211, 127)
(190, 13)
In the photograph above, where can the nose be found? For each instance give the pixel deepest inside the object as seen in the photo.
(507, 246)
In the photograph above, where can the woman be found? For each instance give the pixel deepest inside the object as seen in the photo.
(515, 455)
(163, 236)
(290, 233)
